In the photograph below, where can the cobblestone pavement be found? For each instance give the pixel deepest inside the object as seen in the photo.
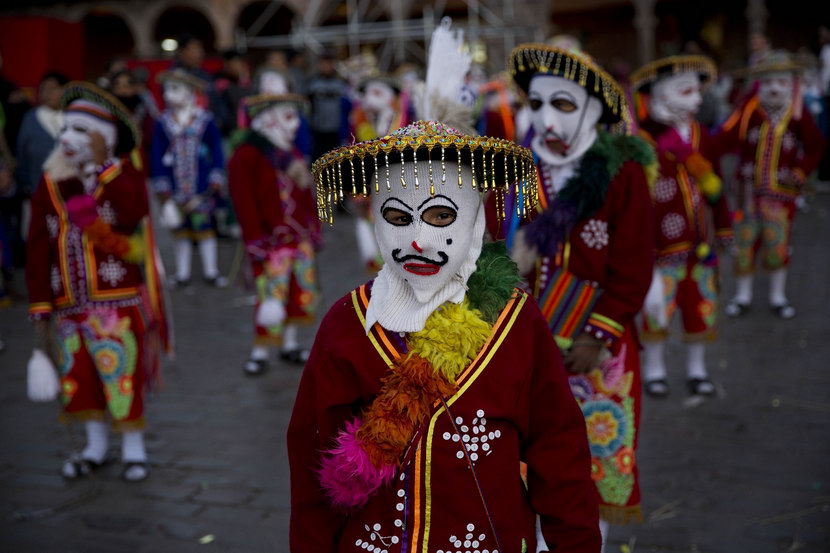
(748, 472)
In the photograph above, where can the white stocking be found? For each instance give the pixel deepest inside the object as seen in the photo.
(207, 250)
(777, 286)
(184, 253)
(289, 338)
(97, 440)
(655, 367)
(604, 529)
(132, 447)
(744, 293)
(259, 353)
(695, 362)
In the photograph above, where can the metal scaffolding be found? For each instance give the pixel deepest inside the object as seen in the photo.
(388, 27)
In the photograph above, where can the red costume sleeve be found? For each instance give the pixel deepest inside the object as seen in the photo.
(242, 178)
(327, 392)
(631, 256)
(812, 142)
(555, 448)
(38, 259)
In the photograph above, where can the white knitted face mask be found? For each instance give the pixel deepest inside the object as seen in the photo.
(378, 96)
(178, 95)
(279, 124)
(775, 90)
(74, 137)
(676, 99)
(429, 241)
(564, 118)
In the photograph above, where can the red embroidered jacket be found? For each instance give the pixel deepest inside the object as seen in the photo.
(775, 157)
(65, 271)
(433, 504)
(272, 209)
(679, 204)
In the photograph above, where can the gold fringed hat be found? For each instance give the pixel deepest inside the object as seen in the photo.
(528, 60)
(776, 61)
(95, 101)
(179, 75)
(498, 165)
(254, 105)
(642, 79)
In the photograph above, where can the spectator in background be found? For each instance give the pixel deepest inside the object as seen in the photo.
(233, 84)
(297, 70)
(759, 47)
(330, 107)
(15, 105)
(189, 56)
(37, 135)
(124, 86)
(824, 78)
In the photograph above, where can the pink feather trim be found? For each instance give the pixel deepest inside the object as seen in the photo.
(82, 210)
(347, 474)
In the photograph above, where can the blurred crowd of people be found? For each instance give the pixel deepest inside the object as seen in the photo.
(229, 155)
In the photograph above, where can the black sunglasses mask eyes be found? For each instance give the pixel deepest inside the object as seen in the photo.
(436, 216)
(561, 104)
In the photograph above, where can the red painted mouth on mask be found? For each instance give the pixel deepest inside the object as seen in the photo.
(421, 269)
(557, 146)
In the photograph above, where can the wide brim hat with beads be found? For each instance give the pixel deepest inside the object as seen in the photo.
(181, 76)
(97, 102)
(529, 60)
(498, 165)
(391, 82)
(643, 78)
(254, 105)
(776, 61)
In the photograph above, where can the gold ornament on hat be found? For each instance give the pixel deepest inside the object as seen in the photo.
(498, 165)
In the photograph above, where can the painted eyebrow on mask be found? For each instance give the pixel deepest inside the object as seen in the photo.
(393, 198)
(435, 198)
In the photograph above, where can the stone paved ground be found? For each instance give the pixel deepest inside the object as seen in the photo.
(747, 472)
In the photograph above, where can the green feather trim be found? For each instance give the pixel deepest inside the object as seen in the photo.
(492, 284)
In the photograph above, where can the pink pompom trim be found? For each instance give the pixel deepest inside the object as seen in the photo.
(82, 210)
(348, 475)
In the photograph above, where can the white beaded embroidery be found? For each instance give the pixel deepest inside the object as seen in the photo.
(470, 542)
(112, 271)
(476, 440)
(595, 234)
(673, 225)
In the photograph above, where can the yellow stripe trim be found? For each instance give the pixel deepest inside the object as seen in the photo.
(610, 322)
(780, 129)
(362, 319)
(451, 401)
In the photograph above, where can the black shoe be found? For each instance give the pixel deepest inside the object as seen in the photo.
(736, 309)
(255, 367)
(135, 471)
(180, 283)
(784, 311)
(217, 281)
(701, 387)
(296, 356)
(657, 388)
(75, 466)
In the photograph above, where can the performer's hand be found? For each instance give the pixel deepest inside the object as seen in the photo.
(525, 256)
(584, 354)
(99, 147)
(45, 340)
(299, 173)
(82, 210)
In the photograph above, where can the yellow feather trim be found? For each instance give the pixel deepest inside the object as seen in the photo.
(451, 338)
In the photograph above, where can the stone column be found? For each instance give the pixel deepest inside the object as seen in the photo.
(646, 24)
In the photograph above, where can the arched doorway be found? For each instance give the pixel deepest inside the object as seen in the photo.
(178, 21)
(106, 37)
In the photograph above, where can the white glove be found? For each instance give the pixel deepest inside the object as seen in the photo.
(170, 216)
(42, 378)
(270, 313)
(655, 304)
(525, 256)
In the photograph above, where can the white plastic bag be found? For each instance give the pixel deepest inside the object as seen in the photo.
(42, 378)
(270, 313)
(170, 216)
(655, 304)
